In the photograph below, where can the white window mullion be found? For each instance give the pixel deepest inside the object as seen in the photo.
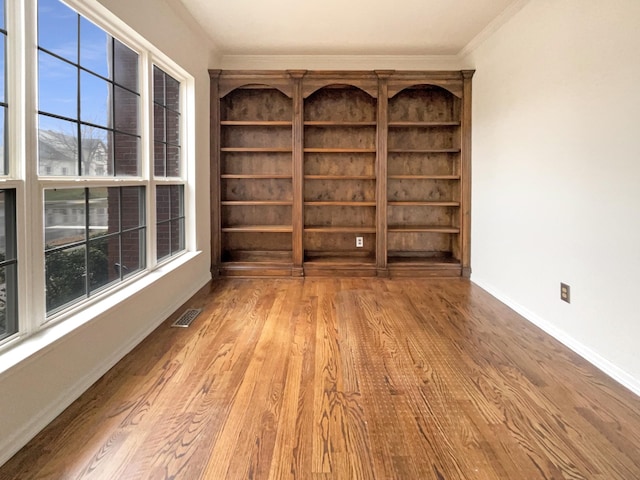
(146, 130)
(31, 303)
(188, 129)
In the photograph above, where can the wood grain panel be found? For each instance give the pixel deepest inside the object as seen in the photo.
(339, 164)
(339, 216)
(423, 164)
(256, 137)
(425, 103)
(340, 190)
(340, 137)
(257, 189)
(256, 241)
(255, 215)
(261, 104)
(422, 190)
(424, 138)
(348, 104)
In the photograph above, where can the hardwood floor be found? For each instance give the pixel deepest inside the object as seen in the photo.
(344, 379)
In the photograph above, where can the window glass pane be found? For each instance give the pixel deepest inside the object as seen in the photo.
(158, 85)
(132, 206)
(96, 151)
(177, 235)
(125, 110)
(8, 249)
(3, 63)
(163, 203)
(176, 200)
(159, 123)
(173, 127)
(126, 154)
(65, 275)
(173, 161)
(57, 86)
(172, 95)
(170, 226)
(8, 300)
(57, 147)
(163, 240)
(2, 8)
(159, 159)
(104, 211)
(4, 169)
(8, 265)
(64, 212)
(133, 252)
(125, 66)
(100, 275)
(95, 48)
(58, 29)
(94, 99)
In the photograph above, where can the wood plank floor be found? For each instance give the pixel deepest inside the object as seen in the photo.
(344, 379)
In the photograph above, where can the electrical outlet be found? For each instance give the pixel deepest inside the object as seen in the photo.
(359, 242)
(565, 293)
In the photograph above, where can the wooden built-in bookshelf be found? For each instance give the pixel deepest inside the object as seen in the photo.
(303, 163)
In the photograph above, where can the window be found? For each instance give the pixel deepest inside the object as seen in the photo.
(8, 265)
(167, 165)
(87, 95)
(88, 126)
(92, 161)
(95, 238)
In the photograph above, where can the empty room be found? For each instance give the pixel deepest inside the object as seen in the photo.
(336, 240)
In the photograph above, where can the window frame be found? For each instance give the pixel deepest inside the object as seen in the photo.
(23, 175)
(168, 180)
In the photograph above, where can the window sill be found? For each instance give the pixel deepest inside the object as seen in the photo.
(20, 351)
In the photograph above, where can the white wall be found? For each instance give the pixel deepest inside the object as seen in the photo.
(36, 390)
(556, 173)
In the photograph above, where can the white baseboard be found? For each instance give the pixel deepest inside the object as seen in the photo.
(609, 368)
(11, 445)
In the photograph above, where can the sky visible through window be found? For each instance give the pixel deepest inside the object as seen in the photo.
(80, 43)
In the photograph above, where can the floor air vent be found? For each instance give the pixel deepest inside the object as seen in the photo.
(187, 317)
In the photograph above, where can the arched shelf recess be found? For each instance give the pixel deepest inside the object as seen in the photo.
(339, 165)
(255, 180)
(424, 194)
(453, 85)
(231, 79)
(425, 102)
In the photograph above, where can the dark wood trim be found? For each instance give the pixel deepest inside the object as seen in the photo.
(214, 184)
(298, 173)
(381, 172)
(465, 174)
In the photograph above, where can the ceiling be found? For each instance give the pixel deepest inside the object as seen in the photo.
(345, 27)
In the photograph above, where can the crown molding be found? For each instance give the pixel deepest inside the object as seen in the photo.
(495, 25)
